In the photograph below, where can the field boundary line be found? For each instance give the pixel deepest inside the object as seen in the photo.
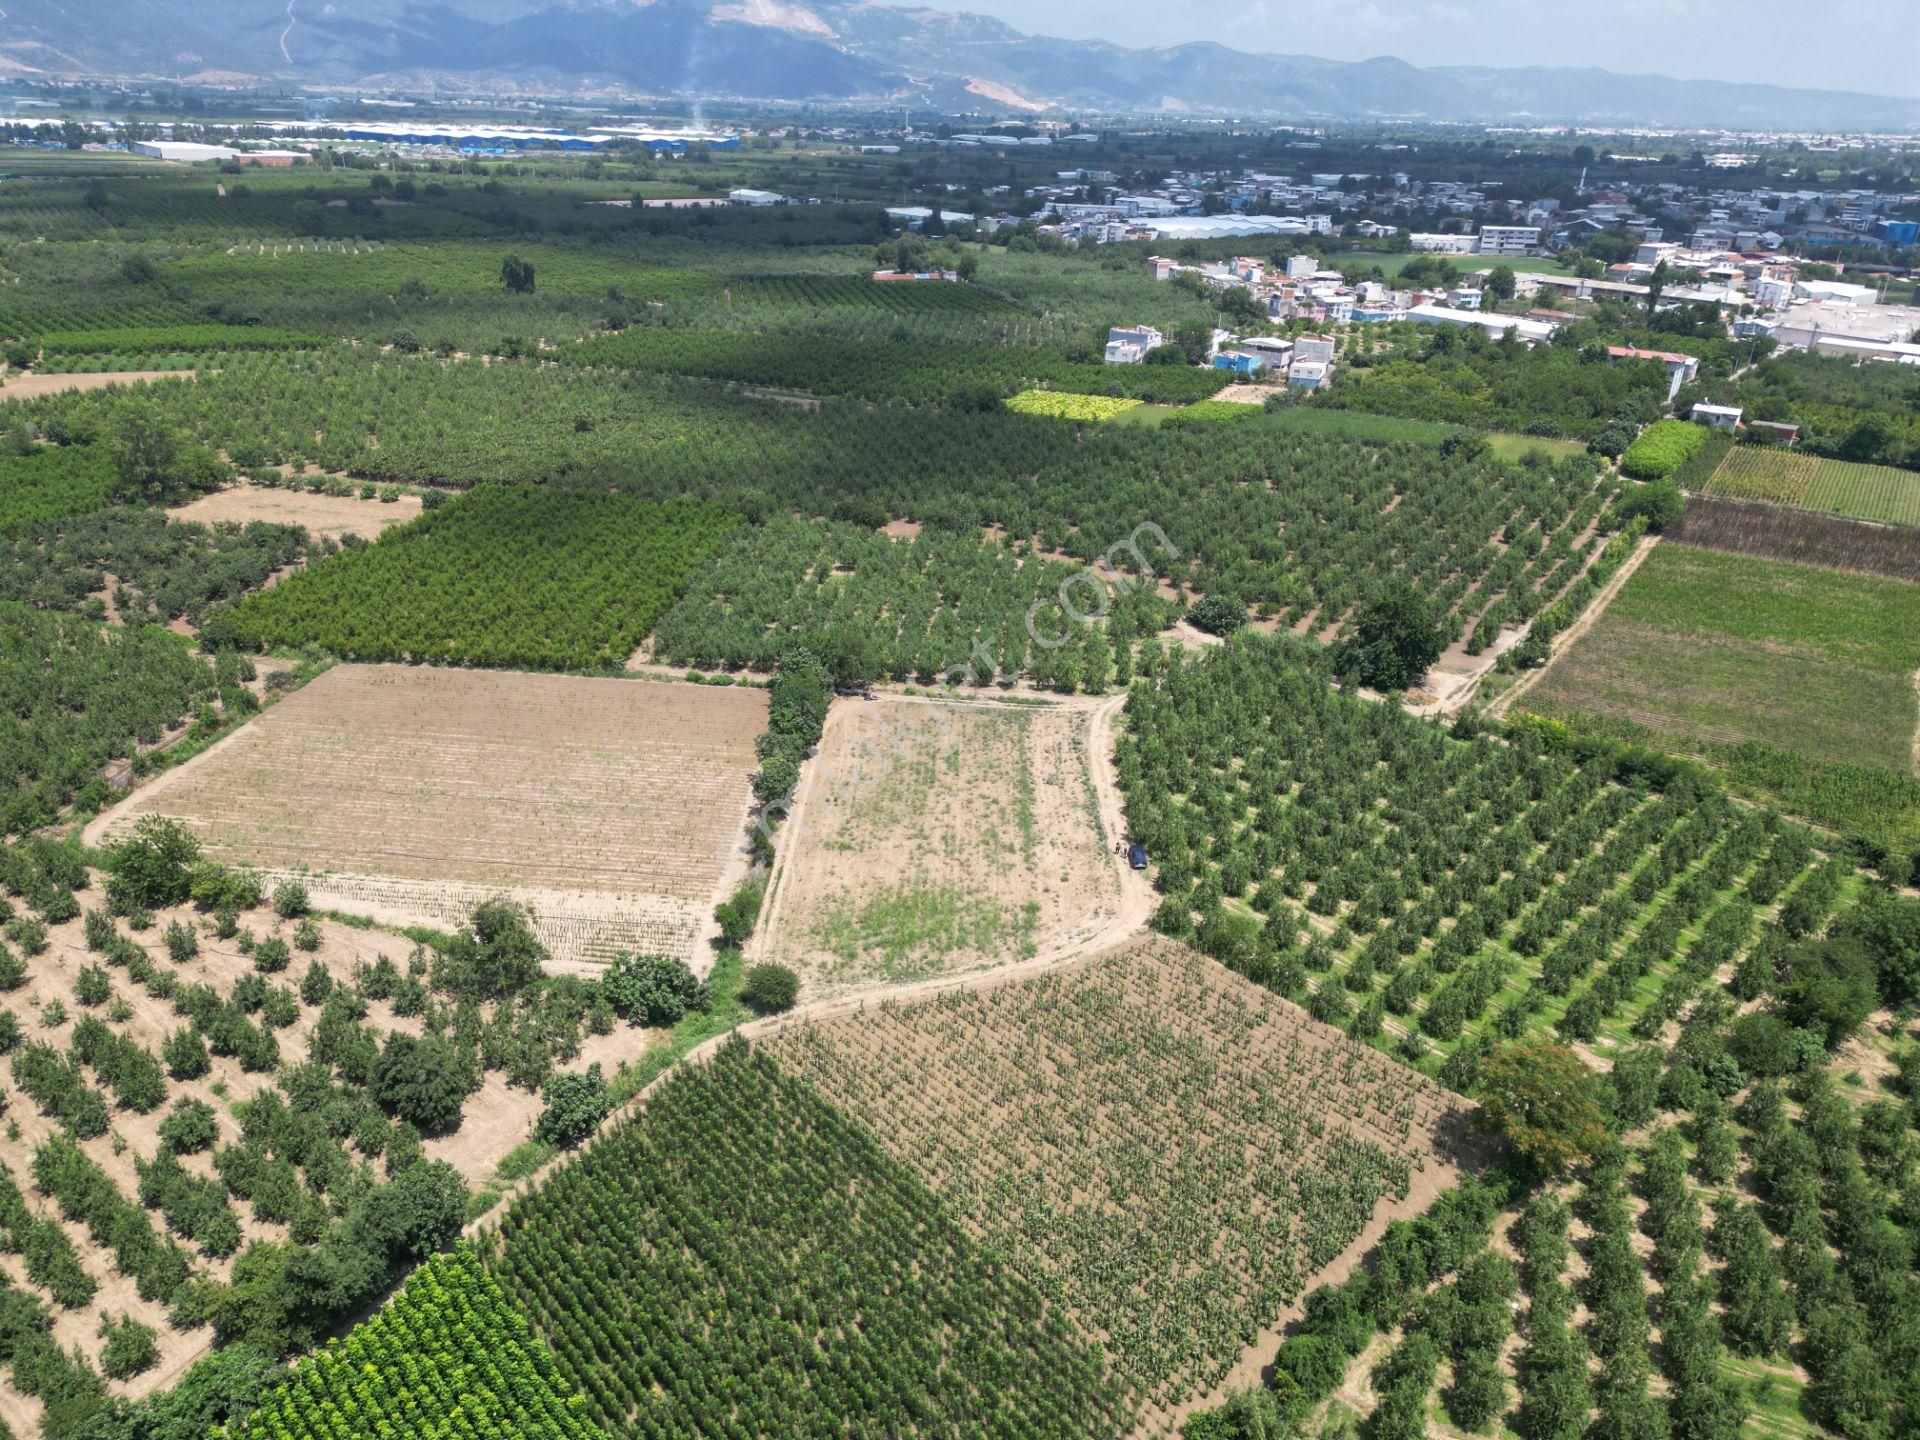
(1502, 704)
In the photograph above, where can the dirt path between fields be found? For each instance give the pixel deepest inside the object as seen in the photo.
(1580, 626)
(1130, 920)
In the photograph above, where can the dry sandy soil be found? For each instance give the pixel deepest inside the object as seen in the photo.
(28, 387)
(933, 837)
(333, 515)
(615, 809)
(1066, 1116)
(497, 1117)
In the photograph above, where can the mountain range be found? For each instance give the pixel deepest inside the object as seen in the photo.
(846, 52)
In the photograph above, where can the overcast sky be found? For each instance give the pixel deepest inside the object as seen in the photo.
(1872, 46)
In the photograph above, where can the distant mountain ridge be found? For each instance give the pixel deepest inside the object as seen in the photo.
(847, 51)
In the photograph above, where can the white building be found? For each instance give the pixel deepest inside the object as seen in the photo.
(1309, 374)
(1463, 298)
(1718, 417)
(1509, 239)
(755, 197)
(1129, 345)
(1299, 267)
(1494, 325)
(183, 152)
(1436, 244)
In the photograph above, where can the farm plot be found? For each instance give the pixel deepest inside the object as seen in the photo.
(937, 837)
(1313, 842)
(1167, 1149)
(1733, 648)
(1866, 492)
(1776, 475)
(164, 1082)
(333, 515)
(742, 1259)
(613, 808)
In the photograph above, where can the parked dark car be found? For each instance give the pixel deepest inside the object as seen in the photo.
(1137, 856)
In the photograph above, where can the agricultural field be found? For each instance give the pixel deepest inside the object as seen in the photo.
(1773, 532)
(448, 1345)
(927, 607)
(935, 837)
(426, 1009)
(166, 1076)
(613, 808)
(1317, 843)
(335, 516)
(508, 576)
(1837, 487)
(903, 1313)
(1866, 492)
(1713, 652)
(1773, 474)
(1067, 406)
(1068, 1119)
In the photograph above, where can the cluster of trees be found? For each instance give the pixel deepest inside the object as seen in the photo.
(1252, 780)
(160, 569)
(872, 607)
(1460, 377)
(449, 1343)
(628, 1329)
(1852, 410)
(508, 575)
(81, 696)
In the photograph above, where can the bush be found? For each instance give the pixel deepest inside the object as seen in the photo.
(422, 1081)
(130, 1347)
(651, 989)
(186, 1054)
(1217, 614)
(290, 900)
(154, 867)
(575, 1106)
(190, 1126)
(92, 986)
(770, 988)
(271, 956)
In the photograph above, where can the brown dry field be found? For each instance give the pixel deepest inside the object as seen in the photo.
(935, 837)
(497, 1117)
(28, 387)
(333, 515)
(615, 809)
(1150, 1104)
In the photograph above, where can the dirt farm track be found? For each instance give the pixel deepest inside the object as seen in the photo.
(614, 808)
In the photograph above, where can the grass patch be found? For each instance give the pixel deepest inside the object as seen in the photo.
(905, 932)
(1511, 447)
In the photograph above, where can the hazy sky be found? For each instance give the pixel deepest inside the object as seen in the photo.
(1865, 45)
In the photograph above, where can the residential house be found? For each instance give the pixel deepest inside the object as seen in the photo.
(1129, 346)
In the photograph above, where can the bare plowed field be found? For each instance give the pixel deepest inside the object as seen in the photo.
(613, 808)
(334, 515)
(1174, 1152)
(933, 837)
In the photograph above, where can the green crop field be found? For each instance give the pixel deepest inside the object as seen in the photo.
(1866, 492)
(1734, 648)
(1798, 681)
